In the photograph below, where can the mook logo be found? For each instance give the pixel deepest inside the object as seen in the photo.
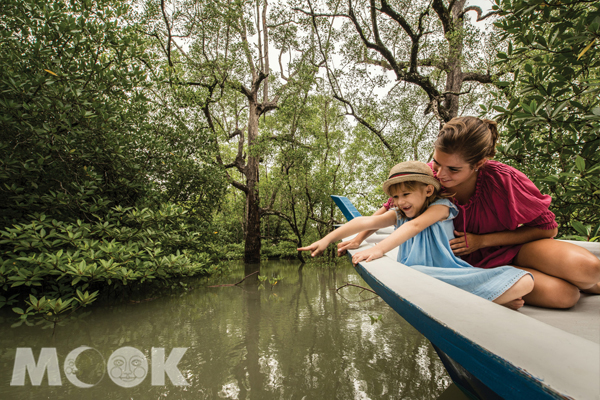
(127, 367)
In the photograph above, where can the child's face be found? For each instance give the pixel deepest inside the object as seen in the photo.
(410, 201)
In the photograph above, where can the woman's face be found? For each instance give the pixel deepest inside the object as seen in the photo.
(451, 169)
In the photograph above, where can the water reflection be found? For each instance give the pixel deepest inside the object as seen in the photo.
(296, 339)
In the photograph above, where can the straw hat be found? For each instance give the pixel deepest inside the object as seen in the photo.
(410, 171)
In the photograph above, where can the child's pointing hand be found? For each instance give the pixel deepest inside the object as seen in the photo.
(316, 248)
(369, 255)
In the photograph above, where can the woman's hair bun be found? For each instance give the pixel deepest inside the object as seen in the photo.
(493, 127)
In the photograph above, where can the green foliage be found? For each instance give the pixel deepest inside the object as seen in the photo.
(62, 260)
(552, 118)
(374, 320)
(68, 95)
(101, 186)
(272, 280)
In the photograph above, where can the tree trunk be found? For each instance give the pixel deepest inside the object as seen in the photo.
(252, 233)
(454, 77)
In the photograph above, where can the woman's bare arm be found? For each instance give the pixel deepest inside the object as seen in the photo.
(523, 234)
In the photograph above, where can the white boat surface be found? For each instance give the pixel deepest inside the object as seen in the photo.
(526, 354)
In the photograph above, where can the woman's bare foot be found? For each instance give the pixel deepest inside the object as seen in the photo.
(514, 304)
(593, 290)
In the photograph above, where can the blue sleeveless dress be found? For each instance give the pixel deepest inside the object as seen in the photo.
(429, 252)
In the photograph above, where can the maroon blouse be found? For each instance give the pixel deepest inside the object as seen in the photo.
(504, 199)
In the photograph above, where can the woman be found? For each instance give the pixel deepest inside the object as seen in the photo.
(504, 219)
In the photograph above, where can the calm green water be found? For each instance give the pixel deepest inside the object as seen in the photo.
(297, 339)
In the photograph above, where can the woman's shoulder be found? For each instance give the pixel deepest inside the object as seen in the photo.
(497, 176)
(507, 189)
(498, 170)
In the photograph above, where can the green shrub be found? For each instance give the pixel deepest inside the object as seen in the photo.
(65, 261)
(552, 117)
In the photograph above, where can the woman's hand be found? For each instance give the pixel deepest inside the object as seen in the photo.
(317, 248)
(343, 247)
(369, 254)
(459, 245)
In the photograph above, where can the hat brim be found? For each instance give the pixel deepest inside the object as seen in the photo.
(428, 180)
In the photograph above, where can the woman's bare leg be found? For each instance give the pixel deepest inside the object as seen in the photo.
(513, 297)
(567, 261)
(593, 290)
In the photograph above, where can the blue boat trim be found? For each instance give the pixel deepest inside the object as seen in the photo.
(502, 377)
(346, 206)
(489, 351)
(464, 380)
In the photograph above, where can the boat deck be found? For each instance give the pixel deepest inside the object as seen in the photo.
(534, 352)
(582, 320)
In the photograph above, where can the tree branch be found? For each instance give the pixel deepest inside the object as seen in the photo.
(443, 14)
(478, 77)
(367, 125)
(238, 185)
(479, 12)
(379, 47)
(162, 7)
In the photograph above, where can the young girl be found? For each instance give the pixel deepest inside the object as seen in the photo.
(424, 227)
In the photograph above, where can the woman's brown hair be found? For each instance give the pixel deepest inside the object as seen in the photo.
(414, 185)
(470, 137)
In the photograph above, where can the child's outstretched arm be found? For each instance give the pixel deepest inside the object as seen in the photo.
(358, 224)
(410, 229)
(352, 244)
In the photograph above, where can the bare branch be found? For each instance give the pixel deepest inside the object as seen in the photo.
(238, 185)
(266, 68)
(246, 47)
(281, 66)
(358, 286)
(368, 125)
(258, 34)
(234, 284)
(479, 12)
(478, 77)
(443, 14)
(269, 211)
(164, 13)
(379, 47)
(388, 10)
(458, 94)
(313, 14)
(235, 133)
(321, 221)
